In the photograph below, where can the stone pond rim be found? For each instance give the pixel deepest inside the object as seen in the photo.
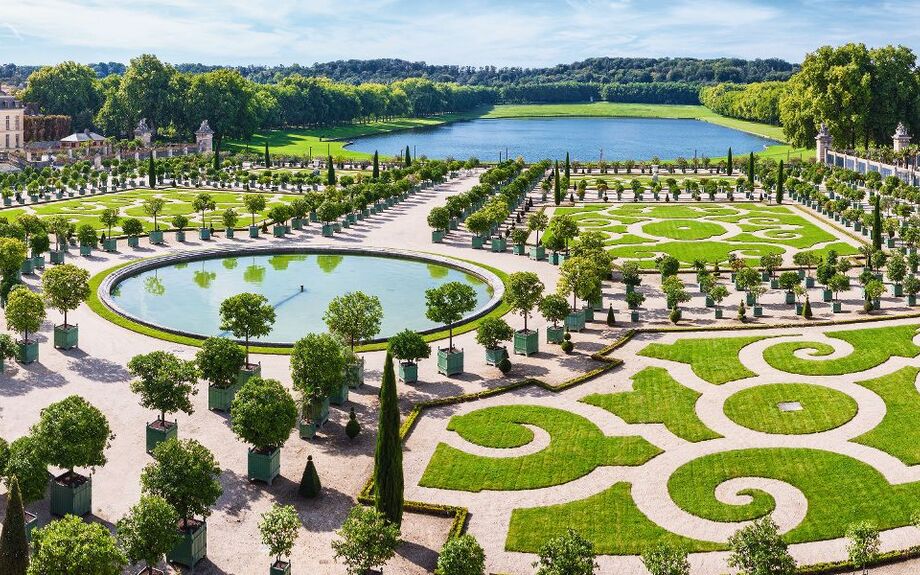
(113, 278)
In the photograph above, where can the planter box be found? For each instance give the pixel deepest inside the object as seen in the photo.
(38, 262)
(220, 398)
(537, 253)
(798, 308)
(31, 524)
(156, 237)
(575, 321)
(450, 362)
(526, 342)
(911, 300)
(790, 298)
(278, 231)
(477, 242)
(354, 373)
(749, 299)
(280, 568)
(408, 372)
(328, 230)
(76, 499)
(133, 241)
(253, 231)
(555, 334)
(827, 295)
(437, 236)
(588, 312)
(247, 373)
(27, 352)
(159, 431)
(498, 245)
(454, 223)
(315, 415)
(314, 217)
(836, 307)
(890, 242)
(297, 223)
(495, 355)
(192, 546)
(758, 311)
(898, 290)
(307, 429)
(27, 267)
(519, 249)
(634, 316)
(229, 233)
(774, 284)
(180, 236)
(340, 396)
(809, 282)
(336, 227)
(204, 233)
(66, 336)
(57, 256)
(264, 466)
(718, 313)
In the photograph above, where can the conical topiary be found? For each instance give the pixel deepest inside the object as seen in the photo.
(611, 319)
(14, 546)
(806, 309)
(309, 484)
(352, 428)
(388, 462)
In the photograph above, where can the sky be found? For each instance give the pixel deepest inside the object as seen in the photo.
(469, 32)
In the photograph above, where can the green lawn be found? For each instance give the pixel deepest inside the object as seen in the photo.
(657, 398)
(758, 408)
(871, 347)
(609, 519)
(840, 490)
(683, 229)
(712, 359)
(897, 434)
(576, 448)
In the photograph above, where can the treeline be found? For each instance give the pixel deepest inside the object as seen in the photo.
(564, 92)
(757, 102)
(174, 103)
(46, 128)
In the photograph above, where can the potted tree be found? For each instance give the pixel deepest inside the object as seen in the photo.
(187, 476)
(54, 549)
(263, 413)
(25, 312)
(279, 215)
(229, 218)
(60, 226)
(490, 333)
(911, 287)
(788, 281)
(408, 346)
(327, 212)
(165, 384)
(537, 222)
(26, 465)
(254, 203)
(631, 276)
(579, 276)
(896, 269)
(278, 528)
(634, 300)
(65, 287)
(86, 235)
(148, 532)
(519, 239)
(222, 363)
(479, 225)
(72, 433)
(525, 290)
(837, 283)
(439, 220)
(247, 315)
(8, 351)
(317, 363)
(675, 294)
(152, 208)
(447, 304)
(39, 244)
(180, 222)
(354, 317)
(132, 227)
(366, 540)
(299, 208)
(109, 217)
(203, 203)
(554, 308)
(717, 293)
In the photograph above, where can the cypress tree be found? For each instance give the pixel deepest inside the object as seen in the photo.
(611, 319)
(152, 172)
(408, 157)
(876, 223)
(330, 172)
(806, 309)
(14, 546)
(217, 157)
(751, 170)
(568, 169)
(388, 464)
(730, 167)
(376, 172)
(557, 192)
(268, 159)
(779, 184)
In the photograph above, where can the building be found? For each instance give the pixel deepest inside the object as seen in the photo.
(84, 139)
(12, 123)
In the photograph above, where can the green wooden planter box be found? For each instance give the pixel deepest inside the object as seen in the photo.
(634, 316)
(575, 321)
(477, 242)
(749, 299)
(38, 262)
(774, 284)
(498, 245)
(790, 298)
(27, 267)
(890, 242)
(110, 244)
(180, 236)
(758, 311)
(220, 398)
(314, 217)
(307, 429)
(798, 308)
(898, 290)
(253, 231)
(588, 312)
(827, 295)
(351, 219)
(911, 300)
(86, 250)
(336, 227)
(297, 223)
(354, 373)
(408, 372)
(454, 223)
(526, 342)
(204, 234)
(555, 334)
(450, 362)
(156, 237)
(192, 546)
(809, 282)
(133, 241)
(340, 396)
(31, 525)
(710, 302)
(328, 230)
(57, 256)
(718, 313)
(71, 500)
(278, 231)
(66, 337)
(554, 258)
(247, 373)
(495, 355)
(156, 435)
(519, 249)
(229, 233)
(437, 236)
(27, 352)
(837, 307)
(280, 568)
(264, 466)
(538, 253)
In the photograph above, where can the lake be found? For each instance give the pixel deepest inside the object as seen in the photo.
(583, 138)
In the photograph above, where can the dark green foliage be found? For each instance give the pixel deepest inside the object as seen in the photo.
(751, 170)
(14, 546)
(569, 554)
(408, 160)
(461, 556)
(876, 223)
(567, 345)
(611, 319)
(28, 466)
(568, 168)
(263, 413)
(759, 549)
(268, 158)
(330, 172)
(185, 474)
(557, 191)
(376, 172)
(729, 166)
(310, 486)
(217, 157)
(70, 546)
(806, 309)
(152, 171)
(73, 433)
(504, 365)
(4, 455)
(352, 428)
(388, 464)
(779, 183)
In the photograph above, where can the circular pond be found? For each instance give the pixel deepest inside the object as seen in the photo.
(182, 294)
(790, 408)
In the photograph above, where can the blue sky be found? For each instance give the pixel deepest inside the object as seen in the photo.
(473, 32)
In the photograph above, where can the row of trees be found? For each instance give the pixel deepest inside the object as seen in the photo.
(757, 102)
